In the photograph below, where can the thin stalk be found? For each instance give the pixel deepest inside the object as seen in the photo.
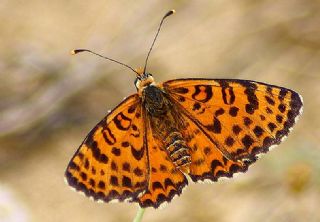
(139, 215)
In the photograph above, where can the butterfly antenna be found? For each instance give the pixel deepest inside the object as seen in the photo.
(165, 16)
(76, 51)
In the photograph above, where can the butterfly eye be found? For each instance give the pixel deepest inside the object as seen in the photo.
(136, 82)
(146, 76)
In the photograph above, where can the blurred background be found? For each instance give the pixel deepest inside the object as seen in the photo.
(50, 100)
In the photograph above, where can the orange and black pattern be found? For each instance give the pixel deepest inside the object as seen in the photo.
(232, 121)
(111, 163)
(144, 150)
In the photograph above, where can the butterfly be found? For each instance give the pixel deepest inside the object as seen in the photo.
(155, 141)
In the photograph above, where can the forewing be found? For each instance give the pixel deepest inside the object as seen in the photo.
(111, 163)
(240, 118)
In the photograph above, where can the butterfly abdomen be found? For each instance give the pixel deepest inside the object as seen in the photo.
(178, 150)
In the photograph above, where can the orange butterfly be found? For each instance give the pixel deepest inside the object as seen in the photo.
(145, 149)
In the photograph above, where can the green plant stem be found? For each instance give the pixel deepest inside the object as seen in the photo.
(139, 215)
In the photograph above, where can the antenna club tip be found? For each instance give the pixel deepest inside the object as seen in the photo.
(172, 11)
(76, 51)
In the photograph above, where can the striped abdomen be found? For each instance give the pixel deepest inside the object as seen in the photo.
(178, 151)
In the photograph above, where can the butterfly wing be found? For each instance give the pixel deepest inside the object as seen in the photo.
(111, 162)
(165, 180)
(232, 121)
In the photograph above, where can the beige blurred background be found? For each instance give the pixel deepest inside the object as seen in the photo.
(50, 100)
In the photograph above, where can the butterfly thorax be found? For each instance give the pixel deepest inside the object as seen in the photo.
(155, 103)
(166, 124)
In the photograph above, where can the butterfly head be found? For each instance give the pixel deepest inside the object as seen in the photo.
(143, 80)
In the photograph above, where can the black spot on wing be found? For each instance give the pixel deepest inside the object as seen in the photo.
(114, 181)
(126, 166)
(137, 154)
(258, 131)
(116, 151)
(224, 89)
(96, 153)
(282, 94)
(196, 106)
(215, 164)
(157, 185)
(108, 136)
(138, 172)
(168, 182)
(247, 141)
(270, 100)
(132, 108)
(126, 182)
(114, 166)
(233, 111)
(229, 141)
(219, 112)
(236, 129)
(202, 89)
(101, 184)
(118, 123)
(215, 127)
(250, 90)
